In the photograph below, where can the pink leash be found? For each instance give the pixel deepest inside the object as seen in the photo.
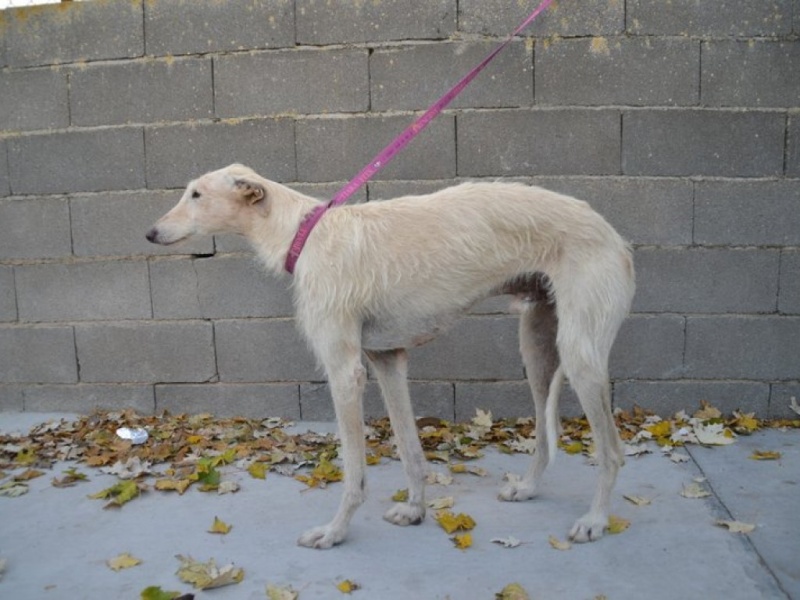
(386, 155)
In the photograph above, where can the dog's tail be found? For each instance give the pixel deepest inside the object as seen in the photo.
(551, 418)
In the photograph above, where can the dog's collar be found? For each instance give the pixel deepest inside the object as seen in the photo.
(299, 241)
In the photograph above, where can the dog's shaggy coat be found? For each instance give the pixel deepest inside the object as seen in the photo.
(383, 277)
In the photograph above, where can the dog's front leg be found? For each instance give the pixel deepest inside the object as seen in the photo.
(347, 377)
(391, 368)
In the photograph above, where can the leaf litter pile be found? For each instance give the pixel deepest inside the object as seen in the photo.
(201, 451)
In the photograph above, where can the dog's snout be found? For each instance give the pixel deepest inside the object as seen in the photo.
(152, 235)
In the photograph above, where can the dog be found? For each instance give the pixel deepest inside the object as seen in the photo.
(384, 277)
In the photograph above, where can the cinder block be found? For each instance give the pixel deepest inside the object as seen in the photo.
(789, 297)
(355, 140)
(781, 399)
(691, 18)
(506, 400)
(115, 225)
(263, 351)
(34, 99)
(428, 399)
(793, 147)
(703, 142)
(85, 398)
(477, 347)
(510, 142)
(413, 77)
(499, 18)
(618, 70)
(8, 295)
(320, 23)
(275, 83)
(83, 291)
(743, 347)
(665, 398)
(642, 210)
(176, 27)
(176, 154)
(684, 280)
(649, 347)
(77, 161)
(142, 92)
(146, 352)
(37, 355)
(751, 73)
(231, 400)
(757, 213)
(215, 288)
(63, 33)
(12, 398)
(5, 187)
(34, 228)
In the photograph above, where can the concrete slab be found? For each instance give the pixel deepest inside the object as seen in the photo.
(56, 541)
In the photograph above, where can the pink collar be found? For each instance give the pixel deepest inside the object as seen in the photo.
(401, 141)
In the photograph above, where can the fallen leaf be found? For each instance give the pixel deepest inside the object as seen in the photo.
(713, 434)
(28, 474)
(155, 592)
(462, 540)
(694, 490)
(436, 478)
(119, 493)
(177, 485)
(71, 477)
(513, 591)
(451, 522)
(707, 412)
(400, 496)
(123, 561)
(220, 527)
(745, 423)
(132, 468)
(678, 457)
(472, 470)
(281, 593)
(558, 544)
(765, 455)
(442, 503)
(325, 472)
(228, 487)
(483, 419)
(617, 524)
(13, 489)
(258, 470)
(508, 542)
(736, 526)
(205, 576)
(637, 500)
(347, 586)
(573, 447)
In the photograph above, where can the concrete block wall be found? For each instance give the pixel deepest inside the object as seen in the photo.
(679, 121)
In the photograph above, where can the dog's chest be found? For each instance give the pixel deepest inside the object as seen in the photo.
(392, 332)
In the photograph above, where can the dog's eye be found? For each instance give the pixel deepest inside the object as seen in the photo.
(195, 194)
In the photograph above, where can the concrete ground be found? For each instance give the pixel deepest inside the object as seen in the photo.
(56, 541)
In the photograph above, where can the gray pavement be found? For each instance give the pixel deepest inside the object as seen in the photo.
(56, 541)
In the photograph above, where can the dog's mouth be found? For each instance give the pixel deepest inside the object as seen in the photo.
(154, 237)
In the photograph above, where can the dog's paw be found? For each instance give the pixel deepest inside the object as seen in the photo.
(516, 490)
(404, 513)
(588, 528)
(322, 538)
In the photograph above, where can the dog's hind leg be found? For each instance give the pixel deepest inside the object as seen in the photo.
(538, 327)
(391, 370)
(347, 377)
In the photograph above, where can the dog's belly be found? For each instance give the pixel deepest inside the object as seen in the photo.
(391, 333)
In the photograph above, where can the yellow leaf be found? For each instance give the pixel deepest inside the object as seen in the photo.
(660, 429)
(637, 500)
(258, 470)
(462, 540)
(736, 526)
(707, 412)
(472, 470)
(573, 447)
(347, 586)
(123, 561)
(28, 474)
(513, 591)
(442, 503)
(451, 523)
(155, 592)
(400, 496)
(558, 544)
(173, 485)
(617, 524)
(765, 455)
(279, 593)
(745, 422)
(220, 527)
(205, 576)
(120, 493)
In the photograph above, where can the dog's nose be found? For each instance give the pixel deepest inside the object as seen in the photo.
(152, 235)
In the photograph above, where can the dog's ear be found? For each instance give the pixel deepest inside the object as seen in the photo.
(250, 191)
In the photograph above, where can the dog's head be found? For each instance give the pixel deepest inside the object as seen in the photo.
(218, 202)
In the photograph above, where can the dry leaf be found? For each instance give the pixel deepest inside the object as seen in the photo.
(13, 489)
(275, 592)
(220, 527)
(451, 522)
(462, 540)
(155, 592)
(472, 470)
(132, 468)
(204, 576)
(442, 503)
(513, 591)
(71, 477)
(436, 478)
(765, 455)
(28, 474)
(228, 487)
(677, 457)
(347, 586)
(120, 493)
(736, 526)
(258, 470)
(617, 524)
(508, 542)
(400, 496)
(694, 490)
(558, 544)
(713, 434)
(177, 485)
(707, 412)
(123, 561)
(637, 500)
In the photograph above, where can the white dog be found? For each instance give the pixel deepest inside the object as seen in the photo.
(383, 277)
